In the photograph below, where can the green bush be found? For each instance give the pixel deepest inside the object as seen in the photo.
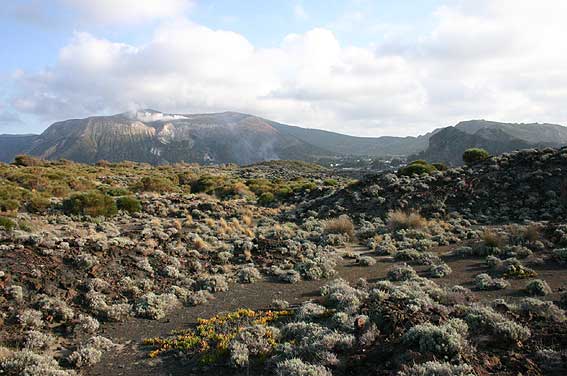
(38, 204)
(266, 198)
(474, 155)
(417, 167)
(92, 203)
(7, 224)
(129, 204)
(330, 182)
(116, 191)
(284, 192)
(420, 162)
(206, 184)
(9, 205)
(155, 184)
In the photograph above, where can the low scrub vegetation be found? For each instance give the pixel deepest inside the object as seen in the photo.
(474, 155)
(93, 203)
(342, 225)
(399, 220)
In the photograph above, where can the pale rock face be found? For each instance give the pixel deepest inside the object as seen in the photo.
(167, 134)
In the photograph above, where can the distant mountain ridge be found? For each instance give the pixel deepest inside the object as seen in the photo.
(448, 144)
(230, 137)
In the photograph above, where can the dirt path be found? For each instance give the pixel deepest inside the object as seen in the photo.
(132, 360)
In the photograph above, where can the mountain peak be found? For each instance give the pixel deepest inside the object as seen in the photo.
(149, 115)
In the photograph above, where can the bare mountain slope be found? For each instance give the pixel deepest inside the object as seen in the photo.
(231, 137)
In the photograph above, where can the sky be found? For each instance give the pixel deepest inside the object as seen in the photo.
(360, 67)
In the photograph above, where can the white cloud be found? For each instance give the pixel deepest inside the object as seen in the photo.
(129, 11)
(494, 59)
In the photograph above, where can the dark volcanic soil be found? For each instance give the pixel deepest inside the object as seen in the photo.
(132, 359)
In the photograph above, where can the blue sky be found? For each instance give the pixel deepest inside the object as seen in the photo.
(356, 66)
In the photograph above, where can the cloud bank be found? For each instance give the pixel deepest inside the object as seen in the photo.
(493, 59)
(129, 11)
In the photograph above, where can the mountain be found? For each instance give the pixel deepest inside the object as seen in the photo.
(448, 144)
(228, 137)
(11, 145)
(350, 145)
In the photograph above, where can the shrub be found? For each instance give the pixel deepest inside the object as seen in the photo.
(257, 341)
(155, 184)
(486, 320)
(444, 340)
(266, 199)
(249, 274)
(474, 155)
(485, 282)
(340, 225)
(296, 367)
(418, 168)
(116, 191)
(27, 161)
(85, 357)
(439, 271)
(366, 261)
(289, 276)
(28, 363)
(435, 368)
(398, 220)
(92, 203)
(560, 255)
(492, 239)
(36, 340)
(213, 283)
(401, 273)
(537, 287)
(30, 319)
(341, 296)
(38, 204)
(154, 306)
(9, 205)
(310, 310)
(330, 182)
(545, 310)
(513, 268)
(129, 204)
(7, 224)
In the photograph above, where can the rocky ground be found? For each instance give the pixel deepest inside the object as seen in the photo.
(283, 268)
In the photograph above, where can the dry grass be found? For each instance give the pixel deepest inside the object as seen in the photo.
(398, 220)
(340, 225)
(492, 239)
(247, 220)
(235, 225)
(248, 232)
(210, 222)
(200, 244)
(532, 233)
(177, 224)
(188, 221)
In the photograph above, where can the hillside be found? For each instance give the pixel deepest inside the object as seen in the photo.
(173, 270)
(448, 144)
(521, 185)
(157, 138)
